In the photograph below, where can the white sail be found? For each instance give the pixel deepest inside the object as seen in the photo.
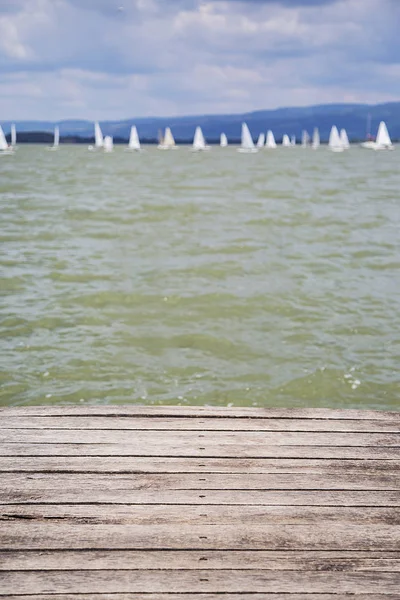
(168, 142)
(199, 143)
(305, 139)
(13, 136)
(270, 143)
(247, 144)
(108, 144)
(285, 141)
(261, 140)
(315, 139)
(344, 139)
(3, 141)
(134, 142)
(383, 140)
(293, 140)
(98, 136)
(223, 140)
(335, 143)
(56, 136)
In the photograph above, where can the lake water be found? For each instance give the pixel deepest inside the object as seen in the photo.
(221, 278)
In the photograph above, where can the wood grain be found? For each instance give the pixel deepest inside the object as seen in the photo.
(209, 424)
(189, 503)
(205, 581)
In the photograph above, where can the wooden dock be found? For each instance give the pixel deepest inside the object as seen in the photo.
(176, 503)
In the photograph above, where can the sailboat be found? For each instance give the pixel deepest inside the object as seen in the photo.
(56, 142)
(383, 141)
(13, 136)
(223, 141)
(305, 139)
(168, 142)
(134, 142)
(261, 140)
(369, 142)
(247, 144)
(344, 139)
(286, 141)
(335, 143)
(4, 147)
(293, 140)
(98, 138)
(315, 139)
(270, 143)
(199, 143)
(108, 144)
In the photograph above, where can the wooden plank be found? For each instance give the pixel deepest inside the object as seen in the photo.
(139, 464)
(199, 411)
(45, 560)
(213, 449)
(206, 581)
(211, 515)
(251, 439)
(204, 497)
(97, 482)
(199, 424)
(32, 535)
(202, 596)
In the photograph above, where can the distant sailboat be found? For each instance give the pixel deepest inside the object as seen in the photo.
(168, 142)
(134, 142)
(383, 141)
(223, 141)
(286, 141)
(293, 140)
(247, 144)
(369, 141)
(4, 147)
(108, 144)
(199, 143)
(261, 140)
(98, 138)
(344, 139)
(13, 136)
(335, 143)
(270, 143)
(56, 141)
(315, 139)
(305, 139)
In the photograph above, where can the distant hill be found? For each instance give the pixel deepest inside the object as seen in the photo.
(282, 120)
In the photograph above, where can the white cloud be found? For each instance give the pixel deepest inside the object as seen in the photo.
(87, 58)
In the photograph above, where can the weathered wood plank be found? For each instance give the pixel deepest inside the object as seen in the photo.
(139, 464)
(207, 581)
(44, 560)
(199, 424)
(213, 449)
(203, 596)
(168, 439)
(97, 482)
(212, 515)
(204, 497)
(32, 535)
(199, 411)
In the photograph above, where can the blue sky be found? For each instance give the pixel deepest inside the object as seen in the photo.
(112, 59)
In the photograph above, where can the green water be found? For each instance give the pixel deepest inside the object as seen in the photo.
(218, 278)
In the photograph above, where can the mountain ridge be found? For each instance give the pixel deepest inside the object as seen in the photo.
(291, 120)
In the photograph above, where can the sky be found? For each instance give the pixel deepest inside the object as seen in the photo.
(116, 59)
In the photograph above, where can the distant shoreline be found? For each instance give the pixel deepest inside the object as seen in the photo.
(44, 137)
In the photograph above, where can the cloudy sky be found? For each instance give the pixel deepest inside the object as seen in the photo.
(112, 59)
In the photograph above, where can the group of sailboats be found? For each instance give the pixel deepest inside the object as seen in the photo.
(338, 142)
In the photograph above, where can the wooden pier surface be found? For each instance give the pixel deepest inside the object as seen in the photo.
(187, 503)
